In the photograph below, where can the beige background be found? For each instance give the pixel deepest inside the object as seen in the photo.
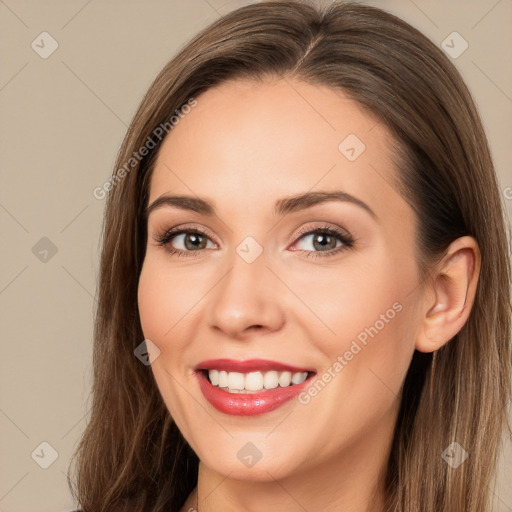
(63, 119)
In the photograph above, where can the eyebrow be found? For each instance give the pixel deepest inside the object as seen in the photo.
(282, 206)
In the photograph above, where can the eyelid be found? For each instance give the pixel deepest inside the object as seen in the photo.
(307, 230)
(346, 239)
(184, 228)
(342, 235)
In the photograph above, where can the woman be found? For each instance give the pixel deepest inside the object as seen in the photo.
(304, 226)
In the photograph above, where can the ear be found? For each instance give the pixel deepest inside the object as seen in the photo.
(449, 295)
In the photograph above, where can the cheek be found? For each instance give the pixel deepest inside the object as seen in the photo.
(358, 299)
(370, 313)
(151, 302)
(158, 308)
(159, 311)
(164, 297)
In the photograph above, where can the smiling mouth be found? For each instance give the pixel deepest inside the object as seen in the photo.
(254, 382)
(250, 387)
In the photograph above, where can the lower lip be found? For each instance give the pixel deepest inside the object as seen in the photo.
(248, 404)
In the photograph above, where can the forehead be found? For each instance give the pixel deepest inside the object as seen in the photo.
(253, 140)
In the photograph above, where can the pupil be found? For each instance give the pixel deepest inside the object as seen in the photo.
(324, 241)
(195, 241)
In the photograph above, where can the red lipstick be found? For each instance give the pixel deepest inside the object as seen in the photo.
(249, 365)
(248, 404)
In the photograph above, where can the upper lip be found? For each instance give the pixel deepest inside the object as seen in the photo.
(248, 365)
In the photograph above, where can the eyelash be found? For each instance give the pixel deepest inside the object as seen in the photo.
(346, 240)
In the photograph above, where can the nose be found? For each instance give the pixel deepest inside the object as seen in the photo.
(246, 300)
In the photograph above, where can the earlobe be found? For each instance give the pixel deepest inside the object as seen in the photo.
(450, 295)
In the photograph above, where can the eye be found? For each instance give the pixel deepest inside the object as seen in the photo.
(189, 241)
(320, 242)
(324, 241)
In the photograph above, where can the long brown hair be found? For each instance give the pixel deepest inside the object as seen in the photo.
(131, 453)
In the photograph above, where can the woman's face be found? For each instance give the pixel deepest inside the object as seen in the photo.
(279, 284)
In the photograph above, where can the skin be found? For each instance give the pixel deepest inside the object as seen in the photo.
(244, 146)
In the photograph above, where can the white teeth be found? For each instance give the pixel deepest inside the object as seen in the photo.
(253, 381)
(285, 379)
(298, 378)
(236, 382)
(270, 380)
(223, 379)
(214, 377)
